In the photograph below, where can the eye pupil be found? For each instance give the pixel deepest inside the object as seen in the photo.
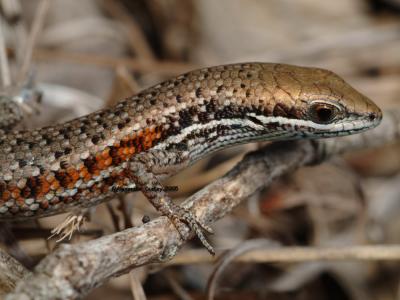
(372, 116)
(322, 113)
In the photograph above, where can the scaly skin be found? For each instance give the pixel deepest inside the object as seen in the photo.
(167, 127)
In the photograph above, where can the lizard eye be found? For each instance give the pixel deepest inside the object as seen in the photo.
(323, 113)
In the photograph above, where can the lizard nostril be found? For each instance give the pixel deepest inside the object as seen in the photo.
(372, 116)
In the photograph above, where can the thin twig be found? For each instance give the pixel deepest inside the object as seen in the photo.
(13, 15)
(227, 258)
(136, 39)
(297, 254)
(5, 68)
(113, 215)
(136, 285)
(11, 271)
(126, 77)
(124, 85)
(175, 286)
(20, 37)
(36, 29)
(126, 211)
(159, 67)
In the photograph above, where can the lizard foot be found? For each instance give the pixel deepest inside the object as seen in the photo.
(179, 215)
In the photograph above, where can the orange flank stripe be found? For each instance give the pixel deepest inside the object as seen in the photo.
(73, 174)
(108, 161)
(87, 177)
(55, 185)
(106, 153)
(15, 192)
(66, 178)
(45, 187)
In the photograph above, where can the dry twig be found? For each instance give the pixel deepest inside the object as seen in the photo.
(292, 254)
(11, 271)
(135, 36)
(36, 29)
(159, 67)
(4, 65)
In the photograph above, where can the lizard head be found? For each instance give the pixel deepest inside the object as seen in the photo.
(312, 102)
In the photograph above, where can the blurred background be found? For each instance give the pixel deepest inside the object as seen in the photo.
(92, 53)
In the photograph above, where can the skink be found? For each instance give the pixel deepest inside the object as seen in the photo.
(165, 128)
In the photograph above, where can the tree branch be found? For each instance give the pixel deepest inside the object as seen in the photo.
(11, 272)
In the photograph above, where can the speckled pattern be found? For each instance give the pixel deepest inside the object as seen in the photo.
(166, 128)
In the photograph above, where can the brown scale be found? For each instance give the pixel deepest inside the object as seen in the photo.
(44, 204)
(20, 201)
(26, 192)
(62, 178)
(68, 199)
(37, 187)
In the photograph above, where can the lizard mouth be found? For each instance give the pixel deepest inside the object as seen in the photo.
(309, 129)
(345, 127)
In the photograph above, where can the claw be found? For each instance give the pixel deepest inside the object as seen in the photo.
(182, 215)
(206, 228)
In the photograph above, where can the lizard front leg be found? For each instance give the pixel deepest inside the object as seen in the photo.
(151, 187)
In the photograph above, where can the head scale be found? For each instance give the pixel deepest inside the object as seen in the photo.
(313, 102)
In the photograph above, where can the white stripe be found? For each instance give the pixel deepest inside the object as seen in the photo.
(198, 127)
(283, 120)
(340, 127)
